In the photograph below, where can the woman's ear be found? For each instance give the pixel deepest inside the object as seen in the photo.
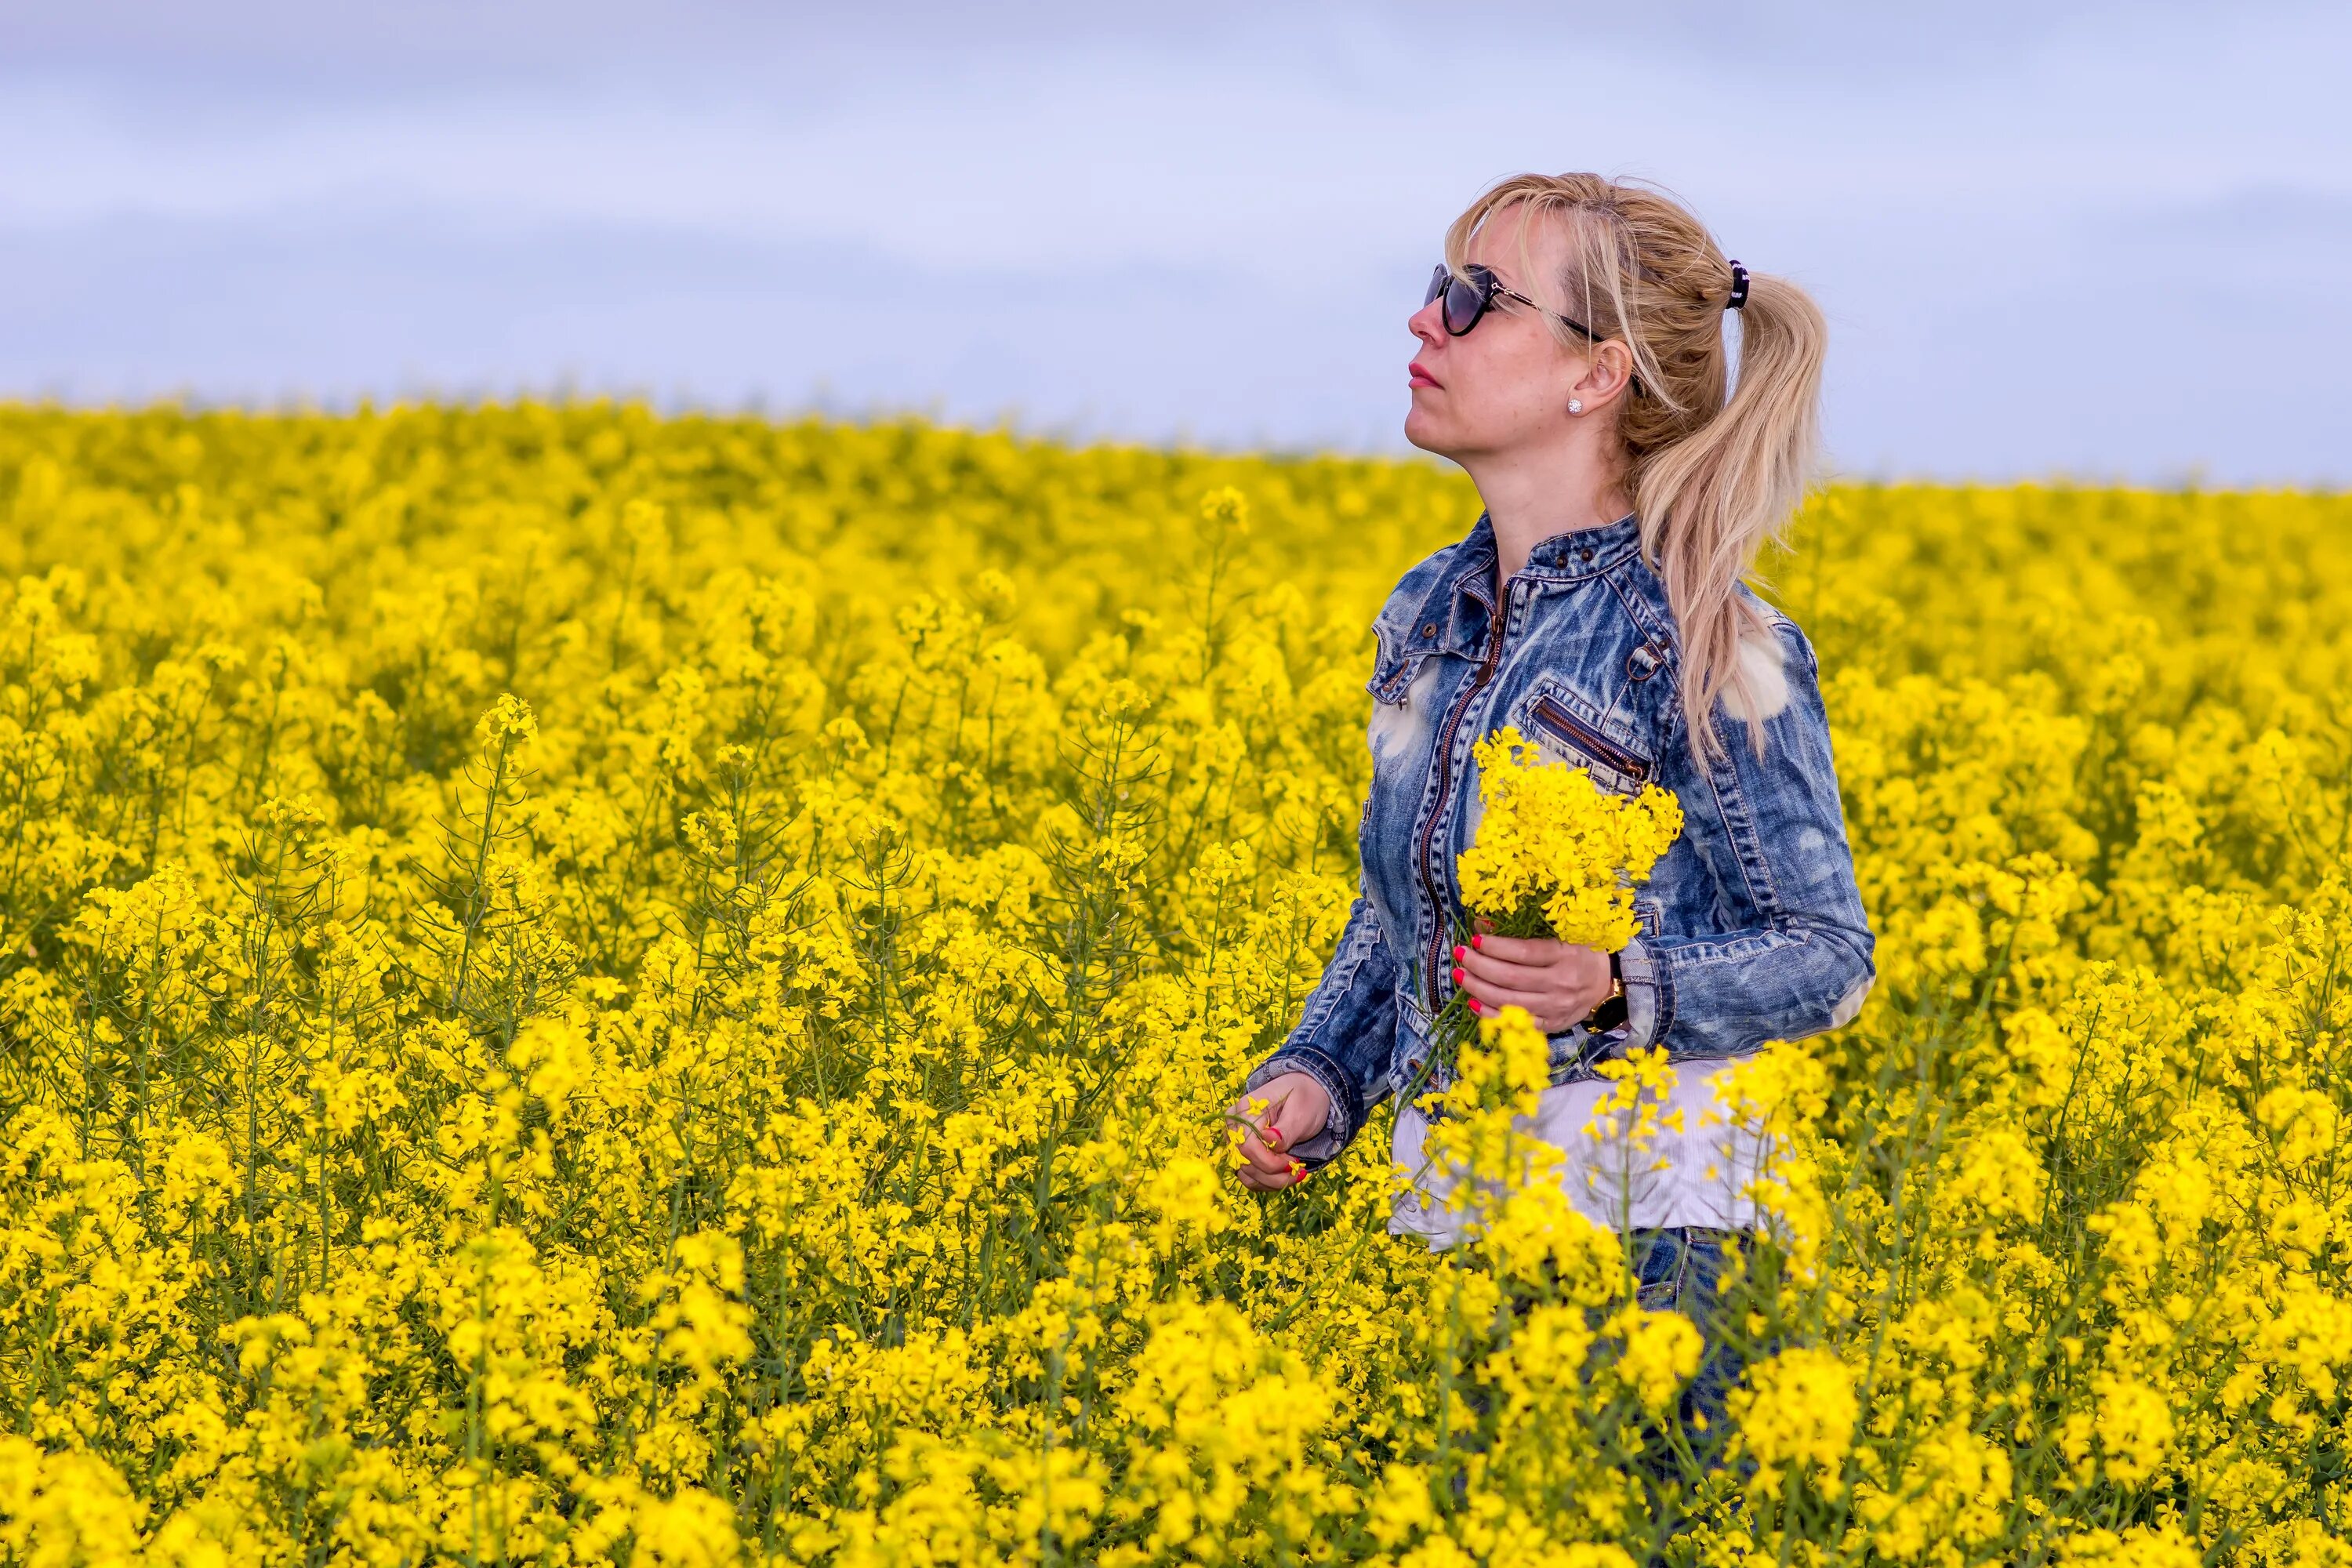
(1607, 373)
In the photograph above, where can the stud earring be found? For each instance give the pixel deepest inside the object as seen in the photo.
(1576, 406)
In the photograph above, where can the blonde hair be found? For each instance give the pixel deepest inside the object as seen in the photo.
(1714, 479)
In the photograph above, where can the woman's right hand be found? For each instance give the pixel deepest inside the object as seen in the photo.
(1297, 1109)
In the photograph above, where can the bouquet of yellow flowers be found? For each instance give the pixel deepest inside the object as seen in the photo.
(1556, 856)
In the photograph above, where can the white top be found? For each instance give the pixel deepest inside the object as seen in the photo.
(1693, 1176)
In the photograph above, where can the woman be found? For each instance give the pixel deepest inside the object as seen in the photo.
(1572, 359)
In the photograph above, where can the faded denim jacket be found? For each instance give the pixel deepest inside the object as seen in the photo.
(1751, 925)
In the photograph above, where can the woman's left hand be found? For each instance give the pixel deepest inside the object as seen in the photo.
(1557, 983)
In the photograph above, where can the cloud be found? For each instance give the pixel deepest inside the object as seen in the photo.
(1231, 206)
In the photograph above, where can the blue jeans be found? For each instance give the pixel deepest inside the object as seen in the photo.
(1682, 1269)
(1678, 1269)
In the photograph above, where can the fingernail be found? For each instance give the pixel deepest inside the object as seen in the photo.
(1459, 952)
(1477, 941)
(1272, 1136)
(1296, 1170)
(1474, 1003)
(1457, 975)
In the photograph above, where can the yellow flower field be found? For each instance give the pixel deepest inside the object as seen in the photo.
(579, 987)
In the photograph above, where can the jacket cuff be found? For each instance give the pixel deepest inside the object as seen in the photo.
(1347, 1109)
(1649, 1005)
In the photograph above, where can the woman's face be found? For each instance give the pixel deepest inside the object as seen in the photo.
(1505, 385)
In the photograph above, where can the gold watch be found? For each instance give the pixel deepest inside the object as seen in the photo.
(1609, 1011)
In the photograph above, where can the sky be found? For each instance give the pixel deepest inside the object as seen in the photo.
(2052, 240)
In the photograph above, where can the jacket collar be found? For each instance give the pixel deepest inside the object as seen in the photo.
(1581, 553)
(1560, 557)
(1455, 615)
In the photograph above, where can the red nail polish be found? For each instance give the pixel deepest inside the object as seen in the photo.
(1459, 952)
(1474, 1003)
(1478, 943)
(1457, 975)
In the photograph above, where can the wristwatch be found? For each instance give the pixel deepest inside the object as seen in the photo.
(1613, 1010)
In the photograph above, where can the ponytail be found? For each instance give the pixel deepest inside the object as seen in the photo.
(1716, 472)
(1711, 500)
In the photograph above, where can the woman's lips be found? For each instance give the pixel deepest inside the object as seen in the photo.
(1417, 376)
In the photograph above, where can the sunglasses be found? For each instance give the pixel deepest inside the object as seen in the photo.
(1469, 298)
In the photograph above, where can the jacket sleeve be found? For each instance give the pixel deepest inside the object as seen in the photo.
(1799, 958)
(1345, 1034)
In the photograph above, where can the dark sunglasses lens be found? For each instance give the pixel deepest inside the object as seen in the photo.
(1437, 281)
(1462, 300)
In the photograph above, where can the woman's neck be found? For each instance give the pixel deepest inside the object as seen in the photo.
(1529, 499)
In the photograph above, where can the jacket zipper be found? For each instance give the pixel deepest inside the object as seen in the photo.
(1592, 740)
(1479, 680)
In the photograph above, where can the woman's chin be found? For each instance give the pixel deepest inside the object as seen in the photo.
(1424, 432)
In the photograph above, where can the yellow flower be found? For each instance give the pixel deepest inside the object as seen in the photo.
(578, 987)
(1555, 853)
(1797, 1417)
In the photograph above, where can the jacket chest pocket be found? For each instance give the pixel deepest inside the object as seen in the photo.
(1566, 726)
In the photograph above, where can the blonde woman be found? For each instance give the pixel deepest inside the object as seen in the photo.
(1573, 360)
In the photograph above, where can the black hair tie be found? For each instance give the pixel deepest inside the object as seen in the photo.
(1739, 287)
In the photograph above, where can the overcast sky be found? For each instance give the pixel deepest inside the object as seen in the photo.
(2052, 238)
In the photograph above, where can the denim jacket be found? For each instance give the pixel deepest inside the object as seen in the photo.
(1751, 925)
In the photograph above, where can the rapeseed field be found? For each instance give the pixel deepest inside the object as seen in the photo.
(579, 987)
